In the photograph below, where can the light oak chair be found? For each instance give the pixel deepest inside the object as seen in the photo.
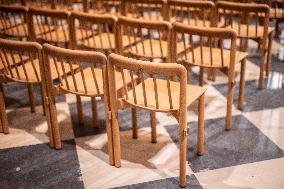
(250, 22)
(154, 10)
(193, 13)
(13, 22)
(210, 52)
(93, 32)
(20, 62)
(49, 26)
(155, 93)
(112, 7)
(90, 80)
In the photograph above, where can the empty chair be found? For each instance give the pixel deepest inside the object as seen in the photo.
(250, 22)
(50, 26)
(213, 48)
(144, 9)
(156, 93)
(194, 13)
(277, 11)
(13, 22)
(93, 32)
(113, 7)
(19, 62)
(144, 39)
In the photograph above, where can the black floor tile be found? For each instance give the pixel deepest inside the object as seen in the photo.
(169, 183)
(245, 143)
(39, 166)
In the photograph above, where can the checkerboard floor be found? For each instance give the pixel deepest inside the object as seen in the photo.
(251, 155)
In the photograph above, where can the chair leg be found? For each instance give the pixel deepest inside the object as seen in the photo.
(109, 131)
(153, 127)
(262, 57)
(94, 112)
(229, 103)
(42, 99)
(54, 124)
(200, 139)
(31, 97)
(3, 116)
(134, 123)
(182, 156)
(79, 110)
(268, 61)
(116, 140)
(242, 85)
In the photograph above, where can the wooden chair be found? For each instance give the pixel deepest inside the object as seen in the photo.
(113, 7)
(193, 13)
(251, 22)
(277, 12)
(49, 26)
(211, 53)
(157, 95)
(20, 62)
(154, 10)
(13, 22)
(91, 80)
(143, 39)
(93, 32)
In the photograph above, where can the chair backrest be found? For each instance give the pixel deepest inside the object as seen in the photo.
(21, 61)
(250, 20)
(113, 7)
(68, 5)
(194, 13)
(78, 72)
(145, 9)
(36, 3)
(148, 94)
(93, 32)
(276, 8)
(13, 21)
(46, 25)
(210, 47)
(144, 39)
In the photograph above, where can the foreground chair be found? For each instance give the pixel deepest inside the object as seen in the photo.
(251, 22)
(157, 95)
(209, 52)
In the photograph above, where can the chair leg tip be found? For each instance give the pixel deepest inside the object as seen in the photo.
(154, 141)
(200, 153)
(227, 129)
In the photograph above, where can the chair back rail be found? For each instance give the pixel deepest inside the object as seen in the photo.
(93, 32)
(79, 72)
(146, 95)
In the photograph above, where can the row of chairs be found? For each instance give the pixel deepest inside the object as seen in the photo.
(79, 30)
(121, 82)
